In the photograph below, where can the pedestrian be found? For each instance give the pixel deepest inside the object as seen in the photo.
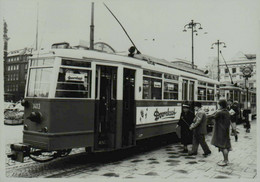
(233, 111)
(199, 127)
(185, 121)
(221, 138)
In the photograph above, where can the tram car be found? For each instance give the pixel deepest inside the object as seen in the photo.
(103, 102)
(239, 95)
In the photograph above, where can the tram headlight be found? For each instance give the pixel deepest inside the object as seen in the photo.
(35, 117)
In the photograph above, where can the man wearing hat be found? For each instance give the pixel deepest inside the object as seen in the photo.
(185, 121)
(199, 127)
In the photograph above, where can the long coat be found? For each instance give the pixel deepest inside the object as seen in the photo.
(221, 138)
(185, 122)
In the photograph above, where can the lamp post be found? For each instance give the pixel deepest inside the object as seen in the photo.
(218, 43)
(192, 25)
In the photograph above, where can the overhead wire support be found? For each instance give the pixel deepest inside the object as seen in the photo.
(138, 52)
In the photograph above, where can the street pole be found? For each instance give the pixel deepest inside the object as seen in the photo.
(91, 47)
(192, 47)
(218, 43)
(192, 25)
(218, 63)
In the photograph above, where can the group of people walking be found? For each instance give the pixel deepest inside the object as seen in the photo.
(194, 128)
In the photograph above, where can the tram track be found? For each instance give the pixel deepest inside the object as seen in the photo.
(78, 162)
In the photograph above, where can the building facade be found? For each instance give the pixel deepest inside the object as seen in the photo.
(235, 68)
(15, 73)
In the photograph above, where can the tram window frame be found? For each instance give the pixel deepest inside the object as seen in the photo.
(37, 86)
(210, 96)
(78, 88)
(150, 89)
(170, 94)
(42, 62)
(174, 80)
(74, 63)
(204, 95)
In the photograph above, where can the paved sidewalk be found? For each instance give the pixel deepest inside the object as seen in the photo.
(169, 163)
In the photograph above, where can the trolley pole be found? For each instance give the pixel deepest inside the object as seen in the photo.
(192, 25)
(218, 43)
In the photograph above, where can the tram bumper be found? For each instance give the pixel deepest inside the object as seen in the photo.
(19, 151)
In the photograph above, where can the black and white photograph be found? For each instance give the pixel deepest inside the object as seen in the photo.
(129, 90)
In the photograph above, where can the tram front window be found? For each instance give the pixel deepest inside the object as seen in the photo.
(73, 83)
(39, 82)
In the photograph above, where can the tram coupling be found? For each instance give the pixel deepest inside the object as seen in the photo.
(19, 151)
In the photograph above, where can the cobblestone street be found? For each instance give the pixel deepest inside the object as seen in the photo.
(166, 162)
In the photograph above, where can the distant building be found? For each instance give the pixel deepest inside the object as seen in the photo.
(15, 73)
(212, 67)
(236, 66)
(186, 64)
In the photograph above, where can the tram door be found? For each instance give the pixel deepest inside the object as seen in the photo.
(105, 123)
(128, 122)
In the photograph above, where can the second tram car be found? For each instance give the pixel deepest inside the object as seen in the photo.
(81, 98)
(239, 95)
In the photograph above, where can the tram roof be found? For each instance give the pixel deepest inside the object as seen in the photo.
(138, 60)
(230, 87)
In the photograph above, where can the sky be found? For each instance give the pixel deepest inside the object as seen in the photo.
(156, 27)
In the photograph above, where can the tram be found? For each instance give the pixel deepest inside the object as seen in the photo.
(240, 95)
(84, 98)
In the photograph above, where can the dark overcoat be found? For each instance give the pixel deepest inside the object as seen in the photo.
(185, 121)
(221, 138)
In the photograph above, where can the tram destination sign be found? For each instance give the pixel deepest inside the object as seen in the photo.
(74, 77)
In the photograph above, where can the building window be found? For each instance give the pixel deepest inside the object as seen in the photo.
(234, 70)
(26, 66)
(226, 70)
(16, 75)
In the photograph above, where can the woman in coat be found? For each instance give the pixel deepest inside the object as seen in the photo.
(221, 137)
(185, 121)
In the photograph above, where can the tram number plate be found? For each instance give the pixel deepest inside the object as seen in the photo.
(36, 106)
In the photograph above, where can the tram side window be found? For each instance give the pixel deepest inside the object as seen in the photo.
(73, 83)
(210, 94)
(39, 82)
(170, 90)
(152, 88)
(201, 93)
(185, 90)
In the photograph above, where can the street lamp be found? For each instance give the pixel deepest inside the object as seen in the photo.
(192, 25)
(218, 43)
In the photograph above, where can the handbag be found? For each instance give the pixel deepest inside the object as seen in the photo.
(178, 131)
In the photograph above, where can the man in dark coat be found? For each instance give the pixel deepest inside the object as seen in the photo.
(185, 121)
(199, 127)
